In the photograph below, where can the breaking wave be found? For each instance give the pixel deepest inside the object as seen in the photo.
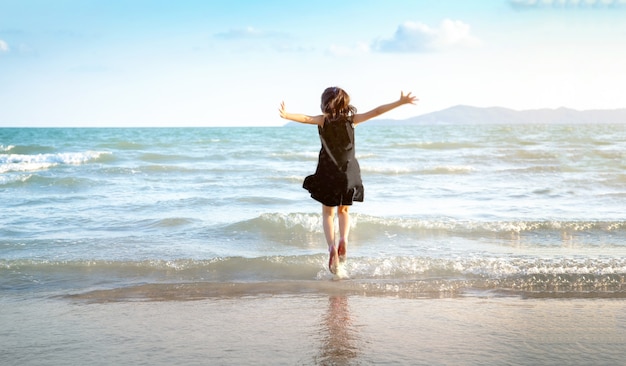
(31, 163)
(399, 276)
(310, 222)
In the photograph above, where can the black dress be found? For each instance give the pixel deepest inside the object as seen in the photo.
(337, 179)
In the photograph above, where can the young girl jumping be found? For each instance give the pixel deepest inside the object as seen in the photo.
(337, 179)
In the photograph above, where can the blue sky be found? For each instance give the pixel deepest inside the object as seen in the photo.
(230, 63)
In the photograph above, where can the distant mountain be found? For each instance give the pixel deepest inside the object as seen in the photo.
(462, 114)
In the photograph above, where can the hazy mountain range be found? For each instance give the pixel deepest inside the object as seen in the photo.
(462, 114)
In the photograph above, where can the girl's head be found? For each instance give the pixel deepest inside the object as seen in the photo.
(336, 103)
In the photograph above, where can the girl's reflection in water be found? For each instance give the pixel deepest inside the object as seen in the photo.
(339, 338)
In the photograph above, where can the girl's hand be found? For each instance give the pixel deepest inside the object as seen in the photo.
(282, 111)
(407, 99)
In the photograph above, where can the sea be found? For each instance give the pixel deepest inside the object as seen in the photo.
(476, 244)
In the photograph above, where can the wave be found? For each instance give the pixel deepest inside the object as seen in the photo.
(264, 200)
(170, 222)
(389, 170)
(537, 169)
(31, 163)
(9, 181)
(297, 179)
(125, 145)
(428, 145)
(279, 222)
(448, 169)
(394, 276)
(26, 149)
(295, 155)
(427, 170)
(533, 155)
(21, 180)
(167, 169)
(313, 267)
(146, 226)
(158, 158)
(414, 290)
(310, 222)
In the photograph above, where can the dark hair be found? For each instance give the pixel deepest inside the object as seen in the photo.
(336, 103)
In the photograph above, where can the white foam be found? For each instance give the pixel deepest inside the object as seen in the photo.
(443, 169)
(5, 179)
(30, 163)
(388, 169)
(301, 155)
(310, 222)
(341, 273)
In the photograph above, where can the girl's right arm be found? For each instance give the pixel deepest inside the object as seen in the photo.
(302, 118)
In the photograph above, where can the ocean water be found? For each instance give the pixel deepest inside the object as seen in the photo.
(523, 214)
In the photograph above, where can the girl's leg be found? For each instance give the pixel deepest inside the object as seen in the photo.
(328, 221)
(344, 230)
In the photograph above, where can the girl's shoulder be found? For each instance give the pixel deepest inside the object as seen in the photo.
(341, 119)
(337, 124)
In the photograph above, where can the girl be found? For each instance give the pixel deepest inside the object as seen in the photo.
(337, 179)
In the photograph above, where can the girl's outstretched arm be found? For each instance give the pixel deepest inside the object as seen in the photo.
(302, 118)
(404, 99)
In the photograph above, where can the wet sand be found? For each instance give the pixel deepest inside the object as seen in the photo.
(314, 329)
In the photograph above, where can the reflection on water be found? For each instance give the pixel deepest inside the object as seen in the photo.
(339, 338)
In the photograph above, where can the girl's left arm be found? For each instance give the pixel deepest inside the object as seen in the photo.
(404, 99)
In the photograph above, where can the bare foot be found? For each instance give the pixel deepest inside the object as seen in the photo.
(341, 251)
(332, 260)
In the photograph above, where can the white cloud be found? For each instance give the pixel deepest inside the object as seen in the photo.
(359, 48)
(413, 37)
(4, 47)
(533, 4)
(453, 33)
(245, 33)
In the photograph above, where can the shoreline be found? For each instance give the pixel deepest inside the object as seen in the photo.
(313, 329)
(196, 291)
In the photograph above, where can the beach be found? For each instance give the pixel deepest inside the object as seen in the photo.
(486, 244)
(316, 329)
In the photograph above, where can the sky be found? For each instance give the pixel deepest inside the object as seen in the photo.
(135, 63)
